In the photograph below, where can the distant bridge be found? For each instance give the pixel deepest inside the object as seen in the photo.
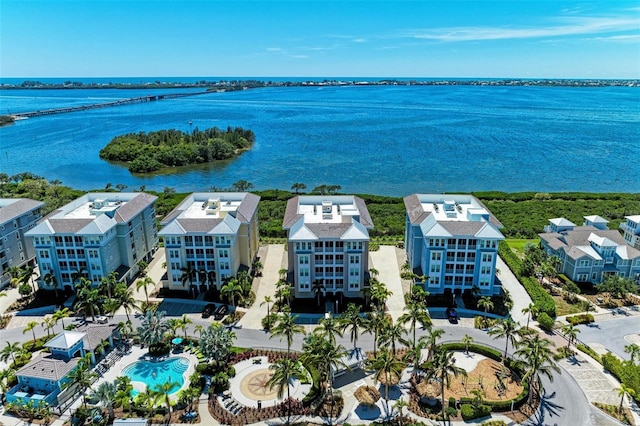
(140, 99)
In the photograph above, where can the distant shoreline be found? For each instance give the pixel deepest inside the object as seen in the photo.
(232, 85)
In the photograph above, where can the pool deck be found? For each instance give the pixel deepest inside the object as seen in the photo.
(139, 354)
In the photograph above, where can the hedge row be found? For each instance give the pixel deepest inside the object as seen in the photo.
(626, 372)
(580, 319)
(541, 299)
(469, 412)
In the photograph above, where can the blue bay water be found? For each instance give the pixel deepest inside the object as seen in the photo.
(390, 140)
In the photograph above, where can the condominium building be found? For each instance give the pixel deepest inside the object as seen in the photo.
(592, 251)
(631, 229)
(95, 235)
(209, 237)
(17, 216)
(328, 244)
(452, 240)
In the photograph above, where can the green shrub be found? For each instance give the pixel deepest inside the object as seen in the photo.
(545, 321)
(626, 372)
(468, 412)
(587, 350)
(580, 319)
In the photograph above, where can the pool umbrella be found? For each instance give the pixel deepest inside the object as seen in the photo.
(390, 379)
(177, 340)
(367, 395)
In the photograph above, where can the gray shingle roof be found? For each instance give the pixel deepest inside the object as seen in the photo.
(365, 217)
(291, 214)
(461, 228)
(247, 207)
(68, 226)
(13, 208)
(328, 230)
(414, 209)
(579, 236)
(95, 334)
(48, 367)
(198, 225)
(131, 208)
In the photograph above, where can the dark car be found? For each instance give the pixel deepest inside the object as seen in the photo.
(221, 312)
(208, 310)
(452, 315)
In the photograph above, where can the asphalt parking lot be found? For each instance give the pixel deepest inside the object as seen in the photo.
(612, 333)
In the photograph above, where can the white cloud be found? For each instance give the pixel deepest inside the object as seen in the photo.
(571, 26)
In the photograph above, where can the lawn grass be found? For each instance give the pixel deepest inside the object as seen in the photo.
(565, 308)
(518, 244)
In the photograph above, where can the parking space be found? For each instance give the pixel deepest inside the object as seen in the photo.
(176, 308)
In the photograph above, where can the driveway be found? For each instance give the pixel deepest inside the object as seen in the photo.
(612, 333)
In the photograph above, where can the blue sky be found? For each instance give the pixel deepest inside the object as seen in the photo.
(515, 38)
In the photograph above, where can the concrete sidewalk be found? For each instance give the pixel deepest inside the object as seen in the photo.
(518, 294)
(385, 260)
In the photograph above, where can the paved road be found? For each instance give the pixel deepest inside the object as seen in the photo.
(611, 334)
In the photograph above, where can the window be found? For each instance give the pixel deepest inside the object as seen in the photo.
(303, 260)
(304, 272)
(435, 268)
(584, 263)
(487, 257)
(354, 260)
(434, 281)
(354, 285)
(436, 256)
(582, 277)
(354, 272)
(223, 253)
(44, 254)
(174, 254)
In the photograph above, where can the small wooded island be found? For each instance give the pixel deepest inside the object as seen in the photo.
(149, 152)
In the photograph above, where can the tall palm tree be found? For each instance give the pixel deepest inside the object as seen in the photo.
(198, 329)
(485, 303)
(50, 279)
(182, 324)
(48, 323)
(414, 356)
(507, 329)
(232, 289)
(466, 341)
(393, 334)
(400, 405)
(386, 366)
(164, 390)
(329, 327)
(441, 367)
(11, 350)
(432, 341)
(374, 323)
(89, 303)
(286, 327)
(571, 333)
(317, 287)
(532, 311)
(31, 325)
(267, 301)
(536, 357)
(61, 314)
(124, 296)
(623, 391)
(379, 294)
(352, 319)
(148, 399)
(144, 284)
(285, 370)
(125, 328)
(26, 277)
(106, 394)
(122, 399)
(108, 283)
(82, 377)
(416, 314)
(633, 349)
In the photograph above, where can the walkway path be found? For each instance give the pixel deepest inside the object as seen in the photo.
(266, 286)
(385, 261)
(519, 295)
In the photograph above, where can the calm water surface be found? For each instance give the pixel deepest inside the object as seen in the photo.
(391, 140)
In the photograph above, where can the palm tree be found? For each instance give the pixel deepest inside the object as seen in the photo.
(28, 272)
(188, 395)
(386, 366)
(144, 284)
(198, 329)
(153, 328)
(81, 376)
(416, 314)
(329, 327)
(375, 321)
(61, 314)
(352, 320)
(31, 325)
(125, 328)
(182, 324)
(632, 349)
(164, 390)
(394, 333)
(400, 405)
(122, 399)
(623, 391)
(89, 302)
(486, 303)
(507, 329)
(106, 394)
(125, 299)
(442, 366)
(285, 370)
(317, 287)
(286, 327)
(188, 273)
(531, 311)
(431, 341)
(537, 359)
(11, 350)
(50, 280)
(48, 323)
(414, 356)
(149, 399)
(571, 333)
(467, 340)
(232, 289)
(267, 300)
(380, 294)
(109, 283)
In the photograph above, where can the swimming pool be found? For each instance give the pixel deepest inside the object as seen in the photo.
(153, 373)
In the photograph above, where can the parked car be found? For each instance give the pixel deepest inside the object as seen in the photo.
(452, 315)
(220, 312)
(101, 319)
(208, 310)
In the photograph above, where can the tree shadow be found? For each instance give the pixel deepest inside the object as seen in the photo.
(546, 408)
(573, 360)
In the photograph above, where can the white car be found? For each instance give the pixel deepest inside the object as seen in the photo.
(102, 319)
